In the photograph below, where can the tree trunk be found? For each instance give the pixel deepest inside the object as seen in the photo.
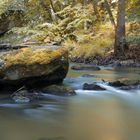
(110, 13)
(54, 11)
(47, 8)
(85, 14)
(120, 42)
(95, 9)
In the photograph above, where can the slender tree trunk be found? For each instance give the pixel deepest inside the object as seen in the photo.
(47, 8)
(110, 13)
(85, 22)
(120, 42)
(95, 9)
(51, 2)
(54, 11)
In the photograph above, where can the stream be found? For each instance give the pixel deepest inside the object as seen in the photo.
(112, 114)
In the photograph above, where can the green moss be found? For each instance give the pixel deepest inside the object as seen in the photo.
(28, 56)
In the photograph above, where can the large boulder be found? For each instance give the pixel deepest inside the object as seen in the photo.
(33, 66)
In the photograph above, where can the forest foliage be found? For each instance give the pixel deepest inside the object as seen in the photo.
(80, 25)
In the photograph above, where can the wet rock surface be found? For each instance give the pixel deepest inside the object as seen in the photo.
(93, 86)
(126, 84)
(88, 75)
(60, 90)
(25, 96)
(85, 67)
(117, 84)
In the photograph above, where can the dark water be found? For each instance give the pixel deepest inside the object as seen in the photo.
(90, 115)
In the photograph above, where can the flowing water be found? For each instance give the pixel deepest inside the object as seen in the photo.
(90, 115)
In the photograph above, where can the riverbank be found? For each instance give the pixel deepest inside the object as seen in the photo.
(130, 59)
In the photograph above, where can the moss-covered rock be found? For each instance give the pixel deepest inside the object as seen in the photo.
(34, 66)
(61, 90)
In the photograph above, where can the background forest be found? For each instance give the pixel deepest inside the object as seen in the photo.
(85, 27)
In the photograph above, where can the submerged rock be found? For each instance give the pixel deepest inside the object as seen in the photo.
(33, 66)
(93, 86)
(61, 90)
(25, 96)
(88, 75)
(85, 67)
(21, 99)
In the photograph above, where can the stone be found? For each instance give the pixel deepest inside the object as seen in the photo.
(131, 87)
(126, 84)
(21, 99)
(88, 75)
(23, 95)
(116, 84)
(61, 90)
(85, 67)
(93, 86)
(34, 66)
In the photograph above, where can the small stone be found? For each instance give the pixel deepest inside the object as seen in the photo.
(85, 67)
(116, 84)
(93, 86)
(21, 99)
(88, 75)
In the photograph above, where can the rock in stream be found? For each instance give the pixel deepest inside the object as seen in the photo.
(92, 86)
(33, 66)
(126, 84)
(85, 67)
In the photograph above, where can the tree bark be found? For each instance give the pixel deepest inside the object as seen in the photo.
(53, 9)
(85, 22)
(95, 9)
(120, 42)
(110, 13)
(47, 8)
